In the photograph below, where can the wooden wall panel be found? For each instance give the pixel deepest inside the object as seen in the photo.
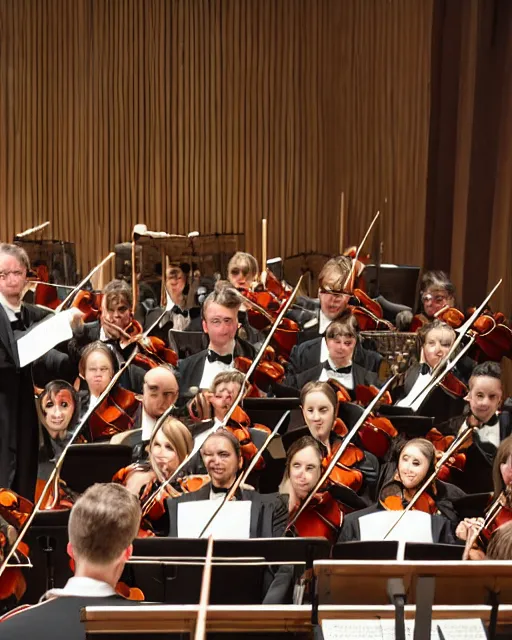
(212, 114)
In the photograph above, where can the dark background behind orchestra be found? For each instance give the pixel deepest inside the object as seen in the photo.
(211, 114)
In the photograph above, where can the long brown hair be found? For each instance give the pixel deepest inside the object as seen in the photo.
(502, 455)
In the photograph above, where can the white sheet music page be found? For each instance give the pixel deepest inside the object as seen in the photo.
(232, 523)
(415, 526)
(44, 337)
(463, 629)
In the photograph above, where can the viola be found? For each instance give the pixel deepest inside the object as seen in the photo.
(453, 385)
(369, 314)
(114, 415)
(322, 518)
(58, 497)
(156, 352)
(239, 425)
(344, 473)
(266, 373)
(417, 322)
(441, 443)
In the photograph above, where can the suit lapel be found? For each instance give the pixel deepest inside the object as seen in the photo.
(358, 373)
(411, 375)
(7, 336)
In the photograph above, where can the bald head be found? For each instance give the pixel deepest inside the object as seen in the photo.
(160, 391)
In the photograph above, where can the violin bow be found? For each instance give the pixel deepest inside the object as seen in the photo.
(29, 232)
(243, 476)
(346, 441)
(204, 598)
(439, 370)
(352, 275)
(71, 294)
(240, 395)
(458, 442)
(58, 465)
(342, 222)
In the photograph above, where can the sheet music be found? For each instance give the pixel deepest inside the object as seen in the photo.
(44, 337)
(463, 629)
(232, 523)
(415, 526)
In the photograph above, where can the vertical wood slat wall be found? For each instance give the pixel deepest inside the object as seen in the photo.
(212, 114)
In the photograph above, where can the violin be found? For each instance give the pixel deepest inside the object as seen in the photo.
(114, 415)
(14, 512)
(369, 314)
(59, 496)
(392, 498)
(266, 374)
(239, 424)
(89, 303)
(322, 518)
(344, 472)
(441, 443)
(156, 351)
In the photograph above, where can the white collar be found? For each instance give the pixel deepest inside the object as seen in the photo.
(82, 586)
(103, 335)
(10, 309)
(323, 323)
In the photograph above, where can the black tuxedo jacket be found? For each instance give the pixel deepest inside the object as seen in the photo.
(19, 435)
(439, 403)
(477, 474)
(56, 619)
(360, 375)
(190, 370)
(269, 512)
(306, 355)
(351, 531)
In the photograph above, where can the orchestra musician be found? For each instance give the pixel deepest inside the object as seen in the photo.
(341, 339)
(182, 297)
(58, 409)
(435, 340)
(490, 427)
(220, 323)
(319, 409)
(243, 270)
(411, 464)
(436, 292)
(160, 391)
(102, 525)
(223, 460)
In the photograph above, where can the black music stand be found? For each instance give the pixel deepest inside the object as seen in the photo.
(366, 550)
(397, 283)
(268, 411)
(187, 343)
(87, 464)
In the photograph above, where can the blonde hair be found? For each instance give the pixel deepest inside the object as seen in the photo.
(500, 544)
(178, 436)
(335, 272)
(103, 523)
(226, 376)
(244, 261)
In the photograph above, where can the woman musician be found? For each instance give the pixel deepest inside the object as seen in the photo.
(411, 464)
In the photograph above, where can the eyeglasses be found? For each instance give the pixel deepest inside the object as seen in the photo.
(331, 292)
(428, 297)
(236, 271)
(17, 274)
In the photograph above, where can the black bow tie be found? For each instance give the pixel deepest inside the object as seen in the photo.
(218, 489)
(346, 370)
(178, 311)
(424, 368)
(18, 324)
(214, 357)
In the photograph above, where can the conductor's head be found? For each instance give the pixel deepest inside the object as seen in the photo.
(102, 525)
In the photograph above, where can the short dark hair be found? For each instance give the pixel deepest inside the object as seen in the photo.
(345, 325)
(225, 295)
(98, 345)
(488, 369)
(233, 440)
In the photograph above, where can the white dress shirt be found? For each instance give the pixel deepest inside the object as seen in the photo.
(324, 322)
(211, 369)
(421, 382)
(148, 424)
(10, 309)
(487, 433)
(346, 379)
(82, 586)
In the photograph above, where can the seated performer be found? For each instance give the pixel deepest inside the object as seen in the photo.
(220, 323)
(242, 270)
(223, 461)
(491, 427)
(500, 544)
(341, 337)
(115, 322)
(182, 295)
(437, 292)
(320, 408)
(160, 391)
(406, 473)
(324, 515)
(435, 341)
(502, 496)
(102, 525)
(58, 409)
